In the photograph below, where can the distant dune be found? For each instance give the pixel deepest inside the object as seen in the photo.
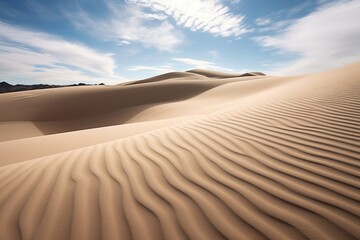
(185, 155)
(215, 74)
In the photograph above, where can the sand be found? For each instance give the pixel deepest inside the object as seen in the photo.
(186, 155)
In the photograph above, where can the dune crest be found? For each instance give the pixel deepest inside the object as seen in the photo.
(216, 74)
(253, 157)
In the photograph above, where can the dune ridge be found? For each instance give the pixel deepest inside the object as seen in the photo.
(279, 163)
(216, 74)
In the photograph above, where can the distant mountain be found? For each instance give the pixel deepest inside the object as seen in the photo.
(7, 87)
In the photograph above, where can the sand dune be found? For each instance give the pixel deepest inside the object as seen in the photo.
(216, 74)
(184, 157)
(169, 76)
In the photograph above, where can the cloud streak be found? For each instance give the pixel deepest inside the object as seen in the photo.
(262, 21)
(131, 25)
(195, 63)
(158, 69)
(180, 64)
(22, 51)
(326, 38)
(198, 15)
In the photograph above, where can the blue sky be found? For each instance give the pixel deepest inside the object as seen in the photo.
(71, 41)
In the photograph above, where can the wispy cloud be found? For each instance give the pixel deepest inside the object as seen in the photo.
(326, 38)
(130, 25)
(157, 69)
(275, 26)
(207, 16)
(179, 64)
(299, 8)
(262, 21)
(195, 63)
(280, 19)
(234, 1)
(123, 43)
(34, 55)
(153, 16)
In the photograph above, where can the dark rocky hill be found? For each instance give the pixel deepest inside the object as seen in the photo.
(7, 87)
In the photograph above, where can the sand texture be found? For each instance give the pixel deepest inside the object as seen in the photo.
(192, 155)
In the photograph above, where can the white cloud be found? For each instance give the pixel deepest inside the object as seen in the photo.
(153, 16)
(158, 69)
(195, 63)
(123, 43)
(179, 64)
(280, 19)
(199, 15)
(33, 55)
(262, 21)
(326, 38)
(62, 51)
(276, 26)
(131, 25)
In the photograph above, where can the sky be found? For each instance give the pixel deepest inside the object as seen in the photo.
(112, 41)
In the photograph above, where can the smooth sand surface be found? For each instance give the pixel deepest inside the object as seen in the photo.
(192, 155)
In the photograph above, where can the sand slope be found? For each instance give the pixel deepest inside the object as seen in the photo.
(255, 158)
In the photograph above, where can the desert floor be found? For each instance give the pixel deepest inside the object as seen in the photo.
(185, 155)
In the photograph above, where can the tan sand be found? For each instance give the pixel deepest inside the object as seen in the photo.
(194, 155)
